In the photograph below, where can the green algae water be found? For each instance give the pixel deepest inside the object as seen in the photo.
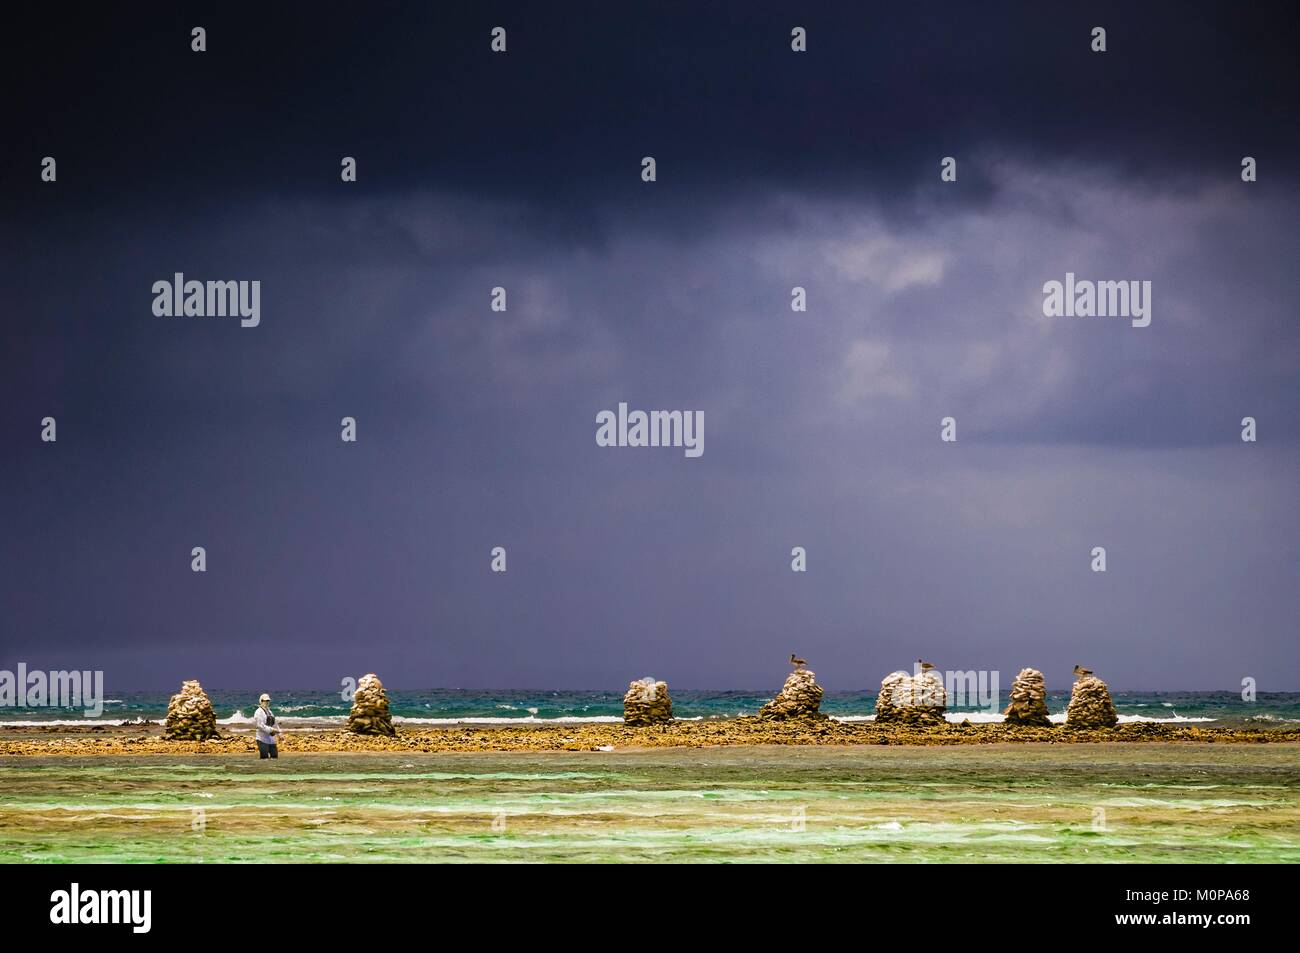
(1022, 803)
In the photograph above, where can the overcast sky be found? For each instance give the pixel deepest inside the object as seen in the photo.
(477, 428)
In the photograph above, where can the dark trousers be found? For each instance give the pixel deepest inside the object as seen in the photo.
(267, 750)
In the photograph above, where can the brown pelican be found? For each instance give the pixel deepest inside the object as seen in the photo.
(1080, 672)
(798, 663)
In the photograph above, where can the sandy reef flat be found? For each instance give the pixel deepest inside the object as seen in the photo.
(801, 803)
(147, 739)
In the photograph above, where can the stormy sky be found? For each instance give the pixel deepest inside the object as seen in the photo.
(477, 428)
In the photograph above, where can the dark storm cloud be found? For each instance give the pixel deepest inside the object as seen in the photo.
(588, 88)
(477, 429)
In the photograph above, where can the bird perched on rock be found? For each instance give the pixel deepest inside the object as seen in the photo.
(798, 663)
(925, 666)
(1081, 672)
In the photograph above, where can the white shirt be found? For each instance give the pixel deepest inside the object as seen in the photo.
(264, 733)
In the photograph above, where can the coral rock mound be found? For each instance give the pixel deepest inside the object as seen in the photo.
(189, 714)
(647, 702)
(915, 700)
(369, 714)
(1090, 705)
(800, 697)
(1028, 700)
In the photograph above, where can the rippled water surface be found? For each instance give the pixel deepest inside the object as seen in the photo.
(1209, 803)
(443, 706)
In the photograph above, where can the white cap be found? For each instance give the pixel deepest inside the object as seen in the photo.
(265, 697)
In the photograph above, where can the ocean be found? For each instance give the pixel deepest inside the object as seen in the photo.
(322, 710)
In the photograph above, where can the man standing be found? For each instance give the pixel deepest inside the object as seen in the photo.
(266, 728)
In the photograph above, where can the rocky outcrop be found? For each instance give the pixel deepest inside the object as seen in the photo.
(647, 702)
(913, 700)
(369, 714)
(1028, 700)
(1090, 705)
(800, 697)
(189, 715)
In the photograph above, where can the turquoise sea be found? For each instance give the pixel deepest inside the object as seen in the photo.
(446, 706)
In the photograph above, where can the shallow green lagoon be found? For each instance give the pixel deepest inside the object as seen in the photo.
(1136, 803)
